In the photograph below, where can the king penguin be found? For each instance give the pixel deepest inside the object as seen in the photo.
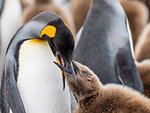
(104, 45)
(31, 82)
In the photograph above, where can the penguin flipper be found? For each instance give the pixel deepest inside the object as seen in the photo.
(3, 101)
(127, 71)
(12, 93)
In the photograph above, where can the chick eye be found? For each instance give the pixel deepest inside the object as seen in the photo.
(85, 73)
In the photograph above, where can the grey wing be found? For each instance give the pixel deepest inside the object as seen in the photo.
(12, 93)
(127, 71)
(4, 107)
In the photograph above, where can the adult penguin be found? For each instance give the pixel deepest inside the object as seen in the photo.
(31, 81)
(104, 45)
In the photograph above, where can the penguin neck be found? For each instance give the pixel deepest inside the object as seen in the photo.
(42, 1)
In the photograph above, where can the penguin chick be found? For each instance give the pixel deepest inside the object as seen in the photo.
(137, 14)
(79, 10)
(25, 4)
(94, 97)
(147, 3)
(144, 70)
(47, 5)
(142, 48)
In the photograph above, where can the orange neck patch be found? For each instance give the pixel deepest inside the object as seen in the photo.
(60, 64)
(37, 41)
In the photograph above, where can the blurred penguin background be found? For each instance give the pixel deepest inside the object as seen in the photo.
(10, 22)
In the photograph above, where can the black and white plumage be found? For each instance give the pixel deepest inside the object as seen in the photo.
(31, 81)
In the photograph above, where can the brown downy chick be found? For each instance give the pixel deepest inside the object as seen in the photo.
(25, 4)
(79, 10)
(147, 3)
(94, 97)
(144, 70)
(48, 5)
(137, 14)
(142, 48)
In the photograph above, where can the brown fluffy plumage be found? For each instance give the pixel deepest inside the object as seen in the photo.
(25, 4)
(147, 3)
(79, 10)
(142, 49)
(144, 70)
(136, 11)
(97, 98)
(47, 5)
(137, 14)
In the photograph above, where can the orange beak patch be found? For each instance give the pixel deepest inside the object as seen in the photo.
(60, 64)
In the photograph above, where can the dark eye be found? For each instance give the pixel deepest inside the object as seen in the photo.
(85, 73)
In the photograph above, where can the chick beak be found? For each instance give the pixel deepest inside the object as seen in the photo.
(69, 70)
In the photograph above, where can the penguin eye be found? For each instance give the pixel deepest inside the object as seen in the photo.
(85, 73)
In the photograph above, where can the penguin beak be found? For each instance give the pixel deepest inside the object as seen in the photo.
(70, 70)
(73, 71)
(60, 62)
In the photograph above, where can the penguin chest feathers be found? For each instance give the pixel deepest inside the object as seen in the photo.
(40, 81)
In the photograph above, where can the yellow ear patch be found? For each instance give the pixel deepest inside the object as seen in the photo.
(49, 31)
(60, 64)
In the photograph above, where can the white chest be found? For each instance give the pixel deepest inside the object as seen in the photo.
(40, 80)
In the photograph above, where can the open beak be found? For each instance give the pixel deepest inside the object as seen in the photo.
(70, 70)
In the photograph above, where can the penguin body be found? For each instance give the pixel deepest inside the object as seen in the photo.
(39, 81)
(94, 97)
(31, 82)
(104, 45)
(144, 70)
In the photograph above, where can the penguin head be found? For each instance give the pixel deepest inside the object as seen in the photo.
(61, 42)
(87, 82)
(59, 38)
